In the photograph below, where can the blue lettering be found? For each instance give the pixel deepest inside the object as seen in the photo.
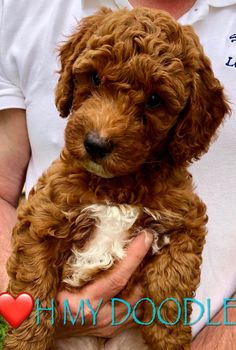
(226, 306)
(179, 312)
(113, 300)
(153, 312)
(38, 309)
(186, 300)
(94, 313)
(209, 323)
(80, 308)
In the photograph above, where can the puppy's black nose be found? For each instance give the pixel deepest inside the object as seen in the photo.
(96, 146)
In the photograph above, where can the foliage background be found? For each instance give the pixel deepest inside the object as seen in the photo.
(3, 328)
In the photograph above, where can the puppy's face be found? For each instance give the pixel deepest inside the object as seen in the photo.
(128, 80)
(125, 100)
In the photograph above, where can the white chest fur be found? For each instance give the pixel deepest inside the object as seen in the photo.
(108, 243)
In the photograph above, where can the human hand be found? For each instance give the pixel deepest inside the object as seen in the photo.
(106, 287)
(221, 337)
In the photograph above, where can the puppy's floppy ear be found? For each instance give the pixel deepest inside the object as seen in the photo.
(205, 108)
(69, 52)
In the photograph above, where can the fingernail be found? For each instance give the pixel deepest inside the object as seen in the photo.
(148, 238)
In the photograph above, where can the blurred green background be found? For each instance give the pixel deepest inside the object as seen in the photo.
(3, 328)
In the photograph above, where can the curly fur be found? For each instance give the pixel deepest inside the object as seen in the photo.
(136, 53)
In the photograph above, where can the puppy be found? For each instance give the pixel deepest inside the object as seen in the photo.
(143, 104)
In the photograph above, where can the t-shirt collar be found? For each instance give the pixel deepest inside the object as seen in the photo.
(213, 3)
(221, 3)
(198, 11)
(123, 3)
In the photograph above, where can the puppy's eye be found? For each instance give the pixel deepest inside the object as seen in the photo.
(96, 81)
(154, 101)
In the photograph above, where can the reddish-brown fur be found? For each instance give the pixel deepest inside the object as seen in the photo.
(136, 53)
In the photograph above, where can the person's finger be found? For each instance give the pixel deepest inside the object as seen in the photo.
(109, 331)
(112, 282)
(121, 306)
(104, 314)
(102, 328)
(109, 284)
(118, 309)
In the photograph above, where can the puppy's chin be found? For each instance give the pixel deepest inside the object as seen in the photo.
(96, 169)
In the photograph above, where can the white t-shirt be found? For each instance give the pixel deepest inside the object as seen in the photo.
(30, 32)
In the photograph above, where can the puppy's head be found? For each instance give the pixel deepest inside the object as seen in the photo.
(138, 89)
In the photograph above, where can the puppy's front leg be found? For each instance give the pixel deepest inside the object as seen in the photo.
(34, 267)
(173, 274)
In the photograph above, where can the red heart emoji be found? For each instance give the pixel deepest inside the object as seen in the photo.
(15, 310)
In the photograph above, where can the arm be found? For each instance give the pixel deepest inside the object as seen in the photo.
(14, 158)
(217, 337)
(173, 274)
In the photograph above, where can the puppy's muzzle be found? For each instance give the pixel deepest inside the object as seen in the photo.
(97, 147)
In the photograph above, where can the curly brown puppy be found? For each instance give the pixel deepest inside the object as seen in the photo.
(143, 104)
